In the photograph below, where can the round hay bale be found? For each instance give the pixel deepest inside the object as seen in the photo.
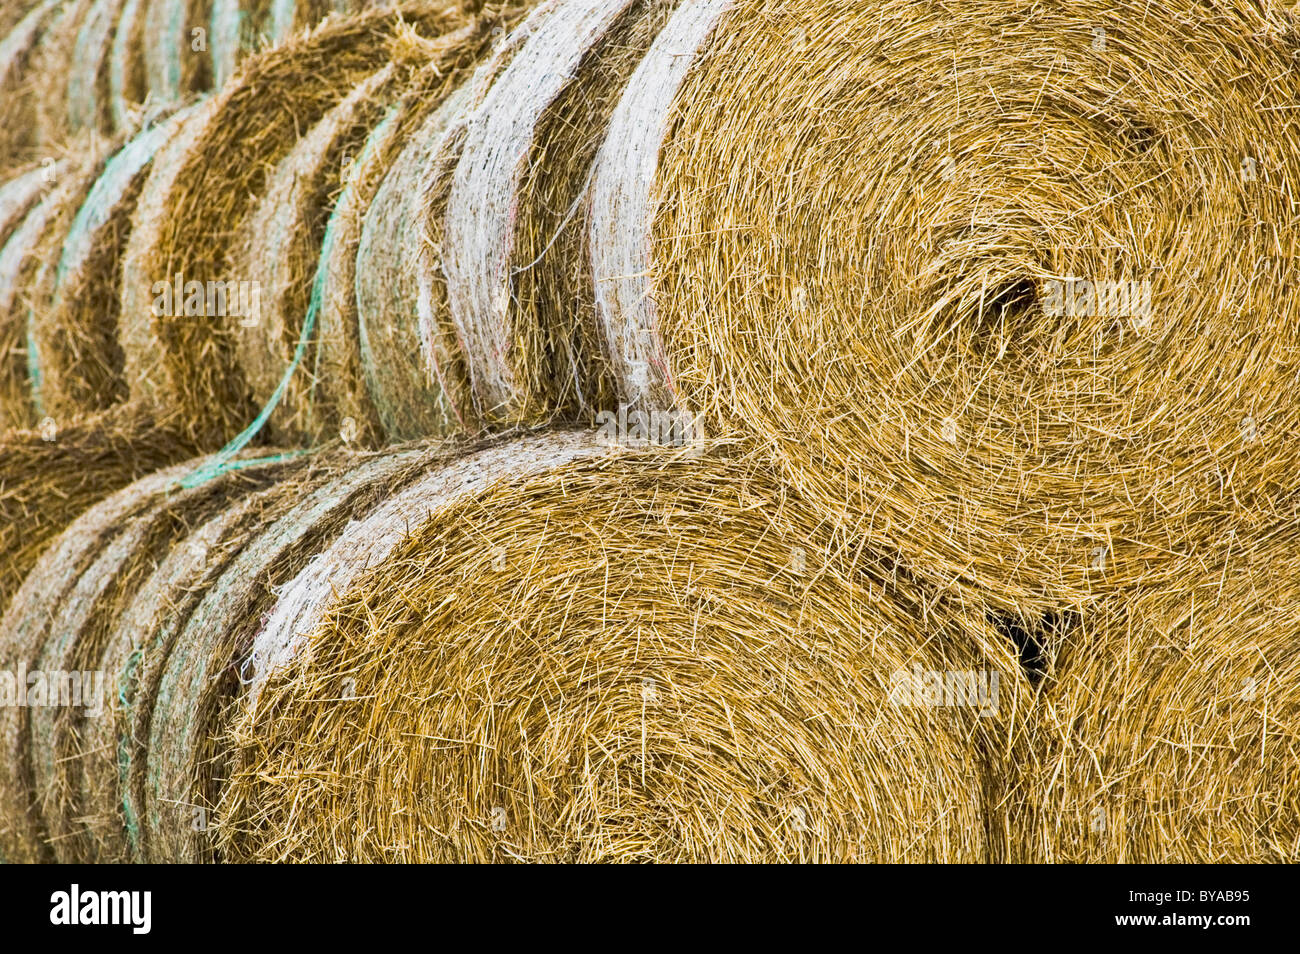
(51, 475)
(192, 669)
(39, 272)
(127, 80)
(239, 27)
(409, 400)
(412, 364)
(25, 627)
(51, 70)
(644, 656)
(18, 139)
(280, 253)
(88, 103)
(176, 58)
(76, 330)
(18, 194)
(1169, 730)
(340, 400)
(168, 595)
(25, 277)
(919, 267)
(77, 631)
(515, 213)
(221, 162)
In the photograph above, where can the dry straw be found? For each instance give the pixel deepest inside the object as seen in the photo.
(579, 655)
(520, 294)
(170, 769)
(26, 277)
(88, 95)
(413, 365)
(176, 57)
(1169, 729)
(73, 633)
(221, 162)
(389, 392)
(18, 141)
(138, 634)
(852, 261)
(280, 250)
(50, 74)
(127, 82)
(48, 477)
(75, 322)
(52, 581)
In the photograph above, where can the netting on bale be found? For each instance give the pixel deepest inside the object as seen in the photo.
(26, 623)
(127, 80)
(177, 61)
(50, 73)
(1168, 729)
(75, 317)
(990, 277)
(219, 164)
(362, 395)
(633, 656)
(72, 635)
(88, 95)
(413, 365)
(170, 768)
(519, 294)
(26, 277)
(279, 252)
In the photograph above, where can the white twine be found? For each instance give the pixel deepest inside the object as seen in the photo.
(624, 201)
(277, 218)
(367, 542)
(393, 230)
(24, 239)
(227, 28)
(447, 130)
(483, 205)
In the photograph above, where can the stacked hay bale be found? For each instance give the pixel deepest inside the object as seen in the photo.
(857, 266)
(631, 657)
(50, 475)
(1169, 728)
(992, 566)
(74, 316)
(221, 159)
(18, 140)
(27, 277)
(60, 621)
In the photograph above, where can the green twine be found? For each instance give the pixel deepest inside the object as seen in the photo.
(223, 461)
